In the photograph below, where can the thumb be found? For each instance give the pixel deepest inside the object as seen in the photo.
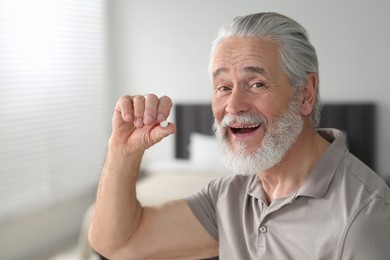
(165, 129)
(154, 134)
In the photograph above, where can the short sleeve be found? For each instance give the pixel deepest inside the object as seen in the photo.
(368, 236)
(203, 205)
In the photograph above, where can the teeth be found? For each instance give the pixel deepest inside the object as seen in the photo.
(253, 126)
(250, 126)
(240, 129)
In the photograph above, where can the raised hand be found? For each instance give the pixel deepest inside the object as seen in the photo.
(136, 122)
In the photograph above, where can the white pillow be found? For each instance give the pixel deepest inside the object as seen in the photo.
(203, 150)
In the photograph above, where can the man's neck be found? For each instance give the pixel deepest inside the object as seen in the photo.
(290, 174)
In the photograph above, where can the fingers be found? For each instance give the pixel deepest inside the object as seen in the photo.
(164, 108)
(139, 108)
(144, 110)
(151, 107)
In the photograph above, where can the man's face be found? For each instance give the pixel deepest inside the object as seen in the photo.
(256, 116)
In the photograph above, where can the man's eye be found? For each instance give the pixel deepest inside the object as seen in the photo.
(257, 85)
(223, 88)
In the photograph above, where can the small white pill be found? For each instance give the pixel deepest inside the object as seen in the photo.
(164, 124)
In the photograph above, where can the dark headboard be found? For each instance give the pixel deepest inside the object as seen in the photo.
(357, 120)
(191, 118)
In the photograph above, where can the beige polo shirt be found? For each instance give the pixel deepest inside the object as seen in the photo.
(342, 211)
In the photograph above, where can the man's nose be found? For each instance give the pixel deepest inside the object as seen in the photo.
(238, 101)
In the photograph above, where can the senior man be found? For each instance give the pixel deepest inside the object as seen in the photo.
(297, 193)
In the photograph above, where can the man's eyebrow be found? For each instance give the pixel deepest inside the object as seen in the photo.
(254, 69)
(250, 69)
(219, 71)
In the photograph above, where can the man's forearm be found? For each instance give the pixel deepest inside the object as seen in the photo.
(117, 216)
(117, 211)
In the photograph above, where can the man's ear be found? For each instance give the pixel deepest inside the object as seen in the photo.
(309, 94)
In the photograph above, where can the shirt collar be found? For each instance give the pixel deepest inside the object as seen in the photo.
(321, 175)
(319, 179)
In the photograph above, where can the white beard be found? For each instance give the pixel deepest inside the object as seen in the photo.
(276, 143)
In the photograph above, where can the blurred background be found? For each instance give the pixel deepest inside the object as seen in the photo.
(64, 63)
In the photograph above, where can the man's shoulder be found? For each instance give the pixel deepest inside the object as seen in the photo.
(368, 231)
(363, 179)
(232, 187)
(234, 181)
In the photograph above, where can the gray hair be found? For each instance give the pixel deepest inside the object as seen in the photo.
(297, 56)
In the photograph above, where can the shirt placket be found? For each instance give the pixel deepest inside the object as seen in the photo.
(263, 229)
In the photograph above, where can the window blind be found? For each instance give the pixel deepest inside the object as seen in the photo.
(53, 101)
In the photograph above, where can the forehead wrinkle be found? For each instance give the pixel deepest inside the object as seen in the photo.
(246, 69)
(254, 70)
(220, 71)
(229, 57)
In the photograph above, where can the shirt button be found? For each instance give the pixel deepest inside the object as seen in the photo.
(263, 229)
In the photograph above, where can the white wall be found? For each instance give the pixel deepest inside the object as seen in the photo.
(162, 47)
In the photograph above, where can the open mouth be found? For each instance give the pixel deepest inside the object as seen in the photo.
(244, 129)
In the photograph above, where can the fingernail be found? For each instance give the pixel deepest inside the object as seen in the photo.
(148, 119)
(127, 118)
(160, 117)
(139, 123)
